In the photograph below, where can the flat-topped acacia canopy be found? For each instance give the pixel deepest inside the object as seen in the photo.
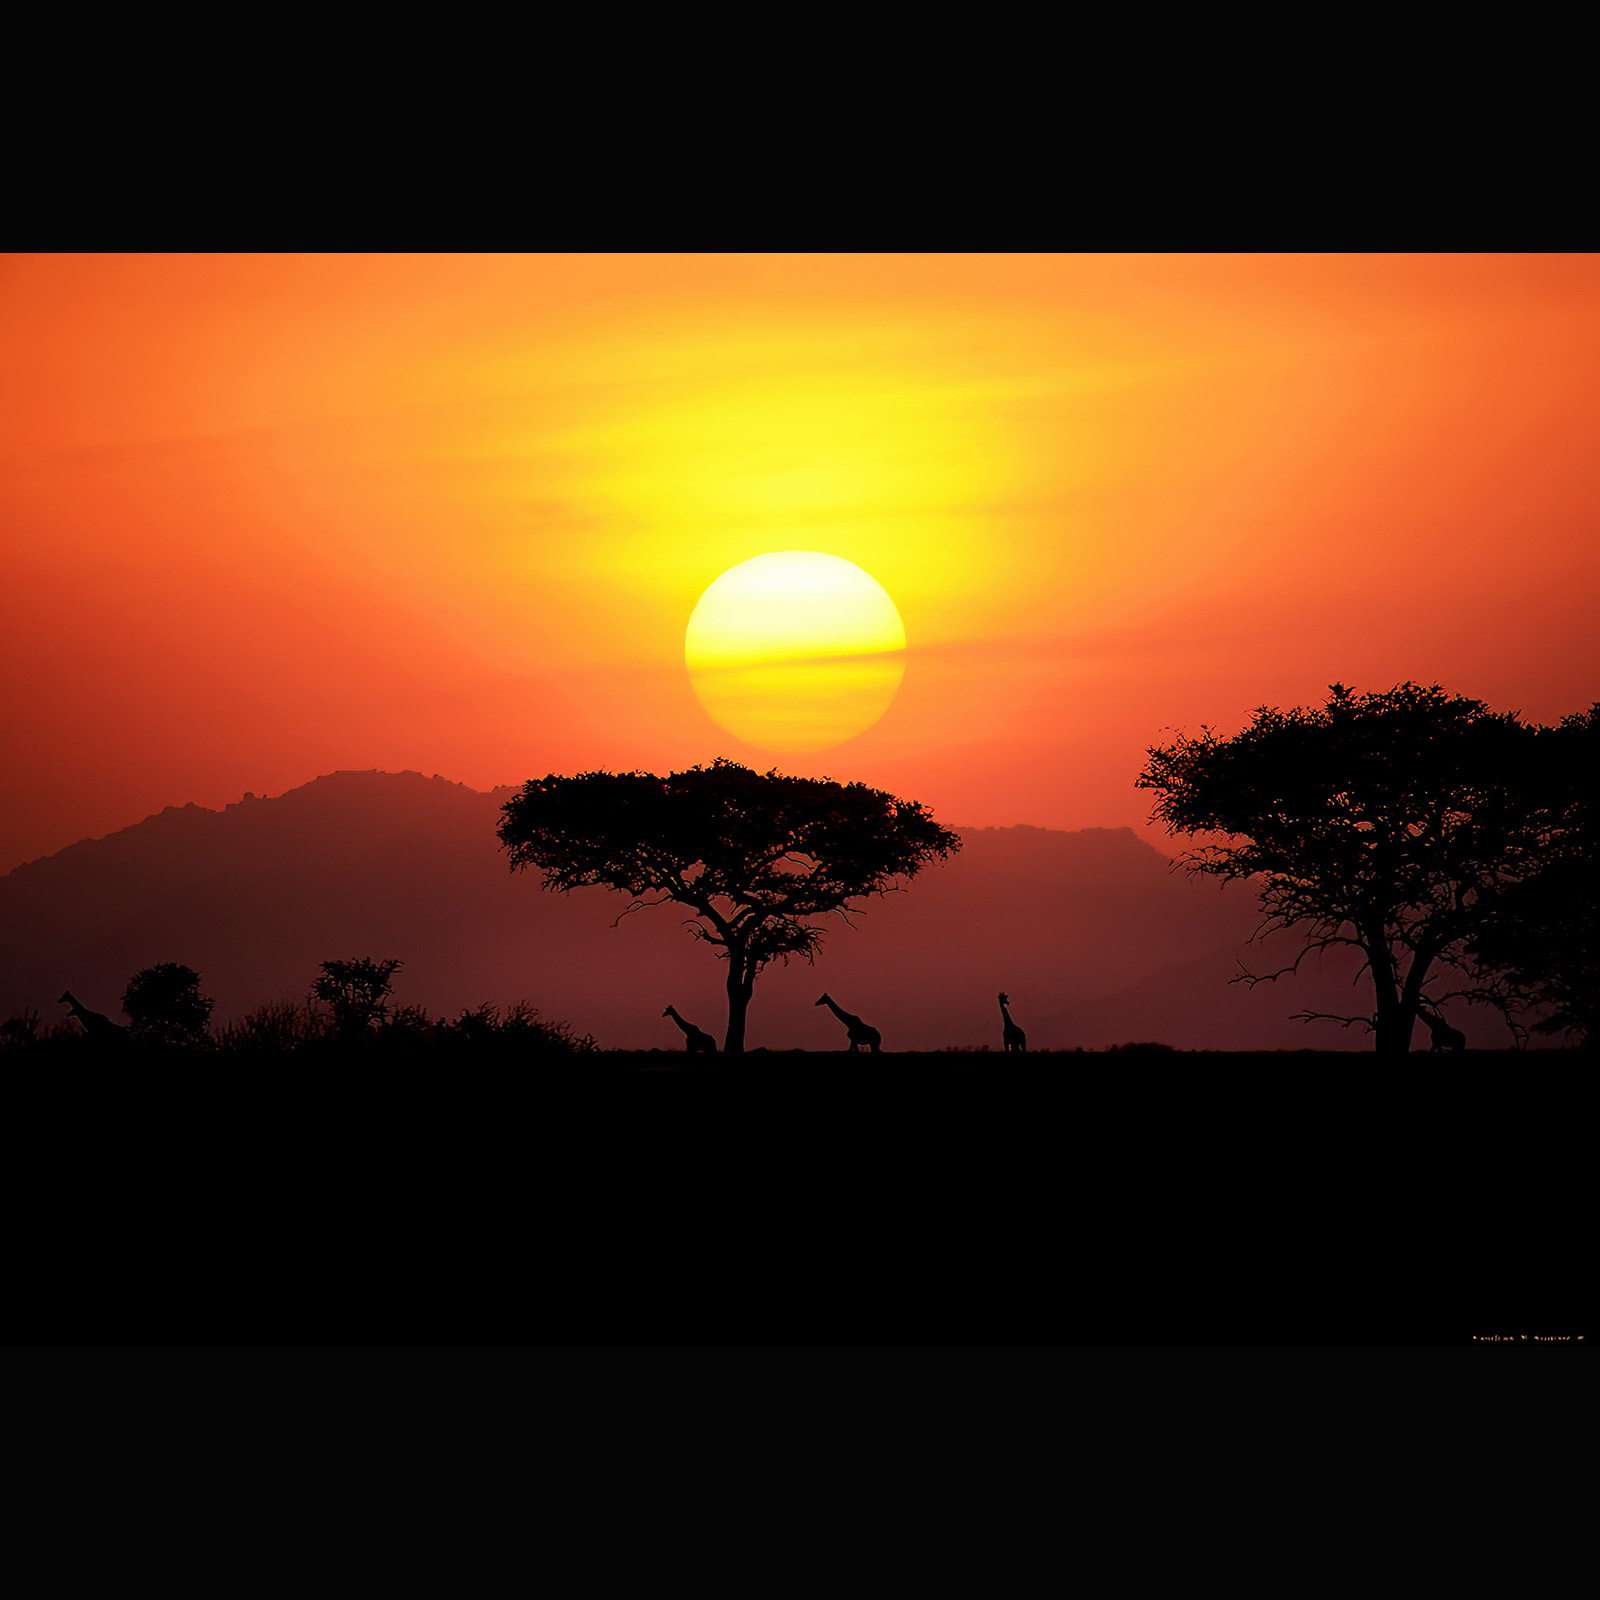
(753, 856)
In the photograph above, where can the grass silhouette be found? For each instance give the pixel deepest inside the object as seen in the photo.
(290, 1029)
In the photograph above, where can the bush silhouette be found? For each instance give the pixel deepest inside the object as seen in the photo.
(270, 1030)
(519, 1025)
(406, 1033)
(356, 991)
(165, 1005)
(20, 1032)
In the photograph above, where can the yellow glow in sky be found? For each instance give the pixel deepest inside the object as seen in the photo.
(795, 650)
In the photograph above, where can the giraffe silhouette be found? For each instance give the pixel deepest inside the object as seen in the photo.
(1015, 1038)
(695, 1039)
(860, 1033)
(96, 1024)
(1444, 1036)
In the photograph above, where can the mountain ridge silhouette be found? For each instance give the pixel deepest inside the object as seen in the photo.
(1095, 934)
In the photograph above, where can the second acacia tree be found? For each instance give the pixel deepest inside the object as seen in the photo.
(1394, 822)
(754, 857)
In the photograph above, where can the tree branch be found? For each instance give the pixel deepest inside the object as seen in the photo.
(1333, 1016)
(642, 905)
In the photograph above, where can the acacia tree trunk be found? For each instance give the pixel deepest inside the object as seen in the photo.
(1394, 1018)
(1395, 1024)
(740, 983)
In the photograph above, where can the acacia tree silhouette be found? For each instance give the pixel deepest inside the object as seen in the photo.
(1384, 821)
(751, 855)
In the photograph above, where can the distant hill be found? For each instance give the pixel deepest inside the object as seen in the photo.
(1095, 936)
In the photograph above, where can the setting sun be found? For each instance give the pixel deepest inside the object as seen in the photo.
(795, 650)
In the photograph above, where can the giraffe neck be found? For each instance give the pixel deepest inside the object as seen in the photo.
(841, 1014)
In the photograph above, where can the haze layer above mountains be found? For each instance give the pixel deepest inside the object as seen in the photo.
(1096, 937)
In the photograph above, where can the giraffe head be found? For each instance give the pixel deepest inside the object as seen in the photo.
(1005, 999)
(67, 998)
(667, 1012)
(823, 1001)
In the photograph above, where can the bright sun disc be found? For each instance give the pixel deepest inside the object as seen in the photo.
(795, 650)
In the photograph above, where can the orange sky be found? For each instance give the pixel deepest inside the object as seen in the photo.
(265, 517)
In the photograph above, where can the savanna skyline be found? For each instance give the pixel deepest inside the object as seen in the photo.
(268, 517)
(469, 720)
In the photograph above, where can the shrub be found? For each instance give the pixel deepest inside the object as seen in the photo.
(409, 1022)
(522, 1025)
(19, 1033)
(273, 1029)
(165, 1004)
(357, 992)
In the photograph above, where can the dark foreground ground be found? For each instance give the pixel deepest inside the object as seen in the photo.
(793, 1199)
